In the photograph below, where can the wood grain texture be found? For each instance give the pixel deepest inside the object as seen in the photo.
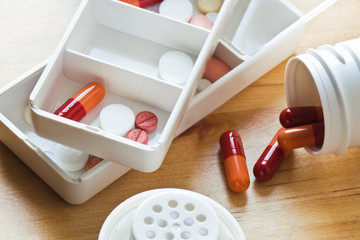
(309, 198)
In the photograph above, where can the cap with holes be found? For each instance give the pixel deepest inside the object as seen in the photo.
(179, 215)
(170, 214)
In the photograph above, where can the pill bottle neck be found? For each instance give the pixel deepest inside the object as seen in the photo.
(329, 77)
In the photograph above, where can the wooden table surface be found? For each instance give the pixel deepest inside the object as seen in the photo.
(310, 197)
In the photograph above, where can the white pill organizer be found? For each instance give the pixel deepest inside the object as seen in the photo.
(119, 46)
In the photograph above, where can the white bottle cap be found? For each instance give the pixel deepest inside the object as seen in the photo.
(169, 214)
(178, 215)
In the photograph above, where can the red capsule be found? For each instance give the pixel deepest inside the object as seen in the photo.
(297, 116)
(270, 160)
(82, 102)
(302, 136)
(234, 161)
(142, 3)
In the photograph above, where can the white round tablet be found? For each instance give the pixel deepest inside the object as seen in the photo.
(177, 9)
(69, 159)
(203, 84)
(117, 119)
(175, 66)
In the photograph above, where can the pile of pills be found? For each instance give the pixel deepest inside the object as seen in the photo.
(175, 66)
(114, 118)
(183, 10)
(301, 127)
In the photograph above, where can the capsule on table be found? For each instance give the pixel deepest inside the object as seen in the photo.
(82, 102)
(142, 3)
(302, 136)
(297, 116)
(235, 162)
(270, 160)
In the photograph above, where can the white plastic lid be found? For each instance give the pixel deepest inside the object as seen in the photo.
(170, 214)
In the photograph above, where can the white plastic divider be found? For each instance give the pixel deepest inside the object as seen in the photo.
(150, 26)
(243, 75)
(122, 81)
(262, 21)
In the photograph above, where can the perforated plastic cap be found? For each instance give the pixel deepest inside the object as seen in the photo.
(169, 216)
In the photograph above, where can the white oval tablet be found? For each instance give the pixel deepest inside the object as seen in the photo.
(117, 119)
(69, 159)
(177, 9)
(175, 66)
(203, 84)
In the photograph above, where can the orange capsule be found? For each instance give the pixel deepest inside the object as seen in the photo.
(270, 160)
(297, 116)
(82, 102)
(302, 136)
(234, 161)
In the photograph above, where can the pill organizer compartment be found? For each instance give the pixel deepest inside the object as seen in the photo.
(120, 45)
(20, 138)
(270, 32)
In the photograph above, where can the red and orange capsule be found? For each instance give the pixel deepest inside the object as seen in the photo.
(234, 161)
(142, 3)
(82, 102)
(270, 160)
(297, 116)
(302, 136)
(303, 127)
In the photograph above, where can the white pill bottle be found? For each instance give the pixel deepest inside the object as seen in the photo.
(329, 76)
